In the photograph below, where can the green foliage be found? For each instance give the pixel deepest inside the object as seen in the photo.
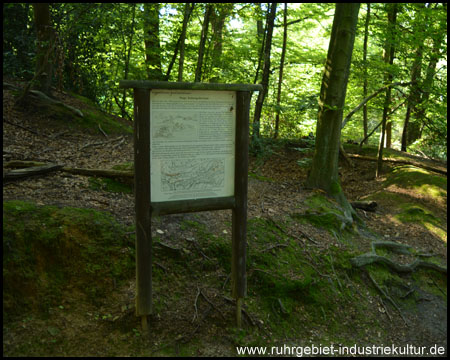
(19, 41)
(96, 41)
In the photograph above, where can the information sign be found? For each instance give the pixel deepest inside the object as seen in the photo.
(192, 137)
(190, 154)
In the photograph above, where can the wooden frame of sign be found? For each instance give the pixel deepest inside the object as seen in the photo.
(183, 132)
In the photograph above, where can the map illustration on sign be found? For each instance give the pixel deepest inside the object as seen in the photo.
(172, 127)
(192, 144)
(193, 174)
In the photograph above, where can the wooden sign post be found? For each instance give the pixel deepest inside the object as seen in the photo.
(190, 154)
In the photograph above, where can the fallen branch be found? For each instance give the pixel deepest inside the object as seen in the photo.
(398, 161)
(271, 247)
(31, 171)
(102, 131)
(364, 205)
(99, 172)
(61, 167)
(101, 142)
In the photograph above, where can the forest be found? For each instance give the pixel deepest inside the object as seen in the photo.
(347, 179)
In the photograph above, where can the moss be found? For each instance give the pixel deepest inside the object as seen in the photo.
(420, 180)
(324, 213)
(110, 185)
(431, 282)
(128, 166)
(47, 248)
(419, 214)
(260, 177)
(335, 188)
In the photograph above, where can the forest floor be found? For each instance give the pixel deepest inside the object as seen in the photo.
(302, 288)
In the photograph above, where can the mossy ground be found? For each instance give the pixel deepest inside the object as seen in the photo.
(111, 185)
(416, 196)
(323, 212)
(93, 117)
(48, 249)
(69, 279)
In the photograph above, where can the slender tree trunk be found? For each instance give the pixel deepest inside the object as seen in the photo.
(427, 83)
(151, 41)
(127, 61)
(45, 44)
(414, 95)
(388, 59)
(266, 70)
(188, 8)
(388, 135)
(324, 171)
(261, 32)
(366, 38)
(218, 17)
(201, 49)
(280, 77)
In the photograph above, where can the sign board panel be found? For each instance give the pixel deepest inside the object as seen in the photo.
(192, 144)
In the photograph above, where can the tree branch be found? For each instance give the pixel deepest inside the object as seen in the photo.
(361, 104)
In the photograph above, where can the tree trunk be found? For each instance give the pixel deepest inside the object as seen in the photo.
(388, 135)
(218, 17)
(324, 171)
(261, 32)
(45, 44)
(280, 77)
(388, 59)
(427, 83)
(127, 61)
(201, 49)
(414, 94)
(266, 70)
(151, 41)
(366, 38)
(188, 8)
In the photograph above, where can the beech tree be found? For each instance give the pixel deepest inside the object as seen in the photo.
(201, 49)
(46, 45)
(151, 40)
(266, 69)
(389, 52)
(188, 8)
(324, 171)
(280, 77)
(365, 84)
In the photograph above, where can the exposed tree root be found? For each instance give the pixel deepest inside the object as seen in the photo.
(387, 297)
(41, 98)
(372, 257)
